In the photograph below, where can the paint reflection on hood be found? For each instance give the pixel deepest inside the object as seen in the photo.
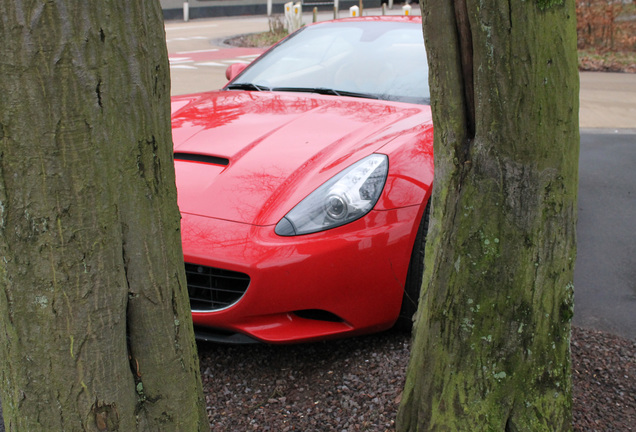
(280, 147)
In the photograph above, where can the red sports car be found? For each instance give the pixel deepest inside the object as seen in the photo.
(303, 185)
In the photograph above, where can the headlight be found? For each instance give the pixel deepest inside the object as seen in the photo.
(344, 198)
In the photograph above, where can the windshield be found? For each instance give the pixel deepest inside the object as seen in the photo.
(379, 59)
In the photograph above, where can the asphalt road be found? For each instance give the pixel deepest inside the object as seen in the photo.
(605, 275)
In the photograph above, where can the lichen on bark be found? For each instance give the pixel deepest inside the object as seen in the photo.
(92, 276)
(491, 338)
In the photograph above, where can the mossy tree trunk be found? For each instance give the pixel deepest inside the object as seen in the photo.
(492, 334)
(95, 327)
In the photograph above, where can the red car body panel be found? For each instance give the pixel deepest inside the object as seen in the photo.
(280, 144)
(313, 272)
(276, 148)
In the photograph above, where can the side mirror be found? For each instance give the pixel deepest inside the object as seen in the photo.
(234, 69)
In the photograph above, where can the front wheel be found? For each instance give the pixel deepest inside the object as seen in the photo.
(413, 283)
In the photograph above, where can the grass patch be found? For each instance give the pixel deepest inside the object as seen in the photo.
(276, 32)
(590, 60)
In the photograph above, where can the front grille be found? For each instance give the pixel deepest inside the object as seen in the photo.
(213, 289)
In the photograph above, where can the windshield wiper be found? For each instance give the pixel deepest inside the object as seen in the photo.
(318, 90)
(247, 86)
(356, 94)
(324, 91)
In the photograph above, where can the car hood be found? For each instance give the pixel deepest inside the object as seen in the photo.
(250, 157)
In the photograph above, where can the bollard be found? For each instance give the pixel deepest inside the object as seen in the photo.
(269, 7)
(383, 9)
(406, 9)
(288, 16)
(186, 11)
(336, 9)
(296, 17)
(315, 14)
(354, 11)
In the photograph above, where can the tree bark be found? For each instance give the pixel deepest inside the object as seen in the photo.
(492, 333)
(95, 325)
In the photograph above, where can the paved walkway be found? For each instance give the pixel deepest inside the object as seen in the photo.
(608, 100)
(199, 58)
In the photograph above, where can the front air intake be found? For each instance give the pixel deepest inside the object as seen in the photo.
(193, 157)
(212, 289)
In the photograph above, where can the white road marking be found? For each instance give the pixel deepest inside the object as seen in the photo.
(211, 64)
(189, 63)
(177, 60)
(198, 51)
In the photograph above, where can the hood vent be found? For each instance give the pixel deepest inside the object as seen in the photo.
(214, 160)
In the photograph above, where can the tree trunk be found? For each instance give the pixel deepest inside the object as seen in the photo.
(492, 334)
(95, 326)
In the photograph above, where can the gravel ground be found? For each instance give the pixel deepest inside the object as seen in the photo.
(355, 384)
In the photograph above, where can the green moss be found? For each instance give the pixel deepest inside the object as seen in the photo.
(566, 311)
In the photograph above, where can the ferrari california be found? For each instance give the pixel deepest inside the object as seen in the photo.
(303, 186)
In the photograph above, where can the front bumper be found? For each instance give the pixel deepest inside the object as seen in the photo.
(341, 282)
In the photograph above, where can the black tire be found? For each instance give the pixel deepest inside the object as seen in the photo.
(413, 283)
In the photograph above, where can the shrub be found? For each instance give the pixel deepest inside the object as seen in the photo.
(606, 25)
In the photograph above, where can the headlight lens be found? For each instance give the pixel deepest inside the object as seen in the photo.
(348, 196)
